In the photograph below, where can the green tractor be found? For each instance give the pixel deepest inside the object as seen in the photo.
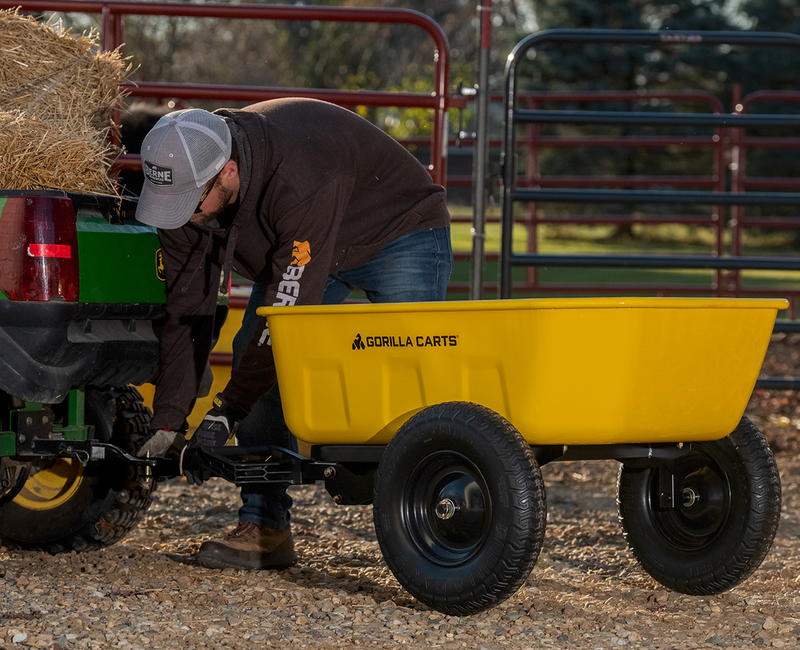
(81, 299)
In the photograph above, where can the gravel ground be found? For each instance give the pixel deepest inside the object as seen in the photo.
(586, 591)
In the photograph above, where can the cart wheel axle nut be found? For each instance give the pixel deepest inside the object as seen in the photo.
(445, 509)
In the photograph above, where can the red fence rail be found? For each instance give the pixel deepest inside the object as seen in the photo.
(742, 143)
(533, 143)
(112, 36)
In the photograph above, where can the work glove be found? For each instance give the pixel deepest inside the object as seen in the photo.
(160, 442)
(218, 426)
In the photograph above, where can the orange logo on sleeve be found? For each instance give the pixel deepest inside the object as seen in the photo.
(301, 253)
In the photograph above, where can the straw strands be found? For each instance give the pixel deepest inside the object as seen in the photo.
(56, 155)
(57, 96)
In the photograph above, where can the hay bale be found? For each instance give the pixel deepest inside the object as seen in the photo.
(57, 97)
(58, 155)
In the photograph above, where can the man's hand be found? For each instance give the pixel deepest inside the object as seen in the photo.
(159, 442)
(218, 426)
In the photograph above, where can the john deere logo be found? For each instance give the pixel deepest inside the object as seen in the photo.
(160, 266)
(404, 341)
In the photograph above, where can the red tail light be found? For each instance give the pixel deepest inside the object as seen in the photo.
(38, 249)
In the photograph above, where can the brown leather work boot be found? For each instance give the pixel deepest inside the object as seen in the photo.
(249, 546)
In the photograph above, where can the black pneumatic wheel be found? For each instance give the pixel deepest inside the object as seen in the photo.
(65, 506)
(703, 523)
(459, 508)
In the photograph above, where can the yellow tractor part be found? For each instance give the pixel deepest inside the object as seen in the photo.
(53, 486)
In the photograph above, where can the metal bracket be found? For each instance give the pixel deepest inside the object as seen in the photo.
(240, 465)
(82, 450)
(635, 455)
(666, 488)
(31, 425)
(348, 487)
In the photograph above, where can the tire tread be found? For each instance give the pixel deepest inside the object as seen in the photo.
(116, 507)
(523, 482)
(746, 548)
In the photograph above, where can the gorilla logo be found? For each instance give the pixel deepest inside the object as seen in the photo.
(301, 253)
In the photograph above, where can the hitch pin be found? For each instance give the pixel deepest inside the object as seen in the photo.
(82, 456)
(148, 470)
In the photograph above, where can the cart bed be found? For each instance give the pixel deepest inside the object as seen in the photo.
(562, 371)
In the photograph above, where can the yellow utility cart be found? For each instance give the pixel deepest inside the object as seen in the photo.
(441, 414)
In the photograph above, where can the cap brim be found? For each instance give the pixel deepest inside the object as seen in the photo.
(167, 211)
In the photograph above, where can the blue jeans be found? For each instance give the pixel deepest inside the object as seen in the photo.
(413, 268)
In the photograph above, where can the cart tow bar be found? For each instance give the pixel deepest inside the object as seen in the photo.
(242, 465)
(264, 465)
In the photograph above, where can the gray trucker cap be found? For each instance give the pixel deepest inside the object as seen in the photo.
(181, 153)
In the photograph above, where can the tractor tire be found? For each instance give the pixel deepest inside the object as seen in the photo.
(67, 507)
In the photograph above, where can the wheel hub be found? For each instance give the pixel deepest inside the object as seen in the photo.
(52, 486)
(447, 508)
(689, 497)
(702, 495)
